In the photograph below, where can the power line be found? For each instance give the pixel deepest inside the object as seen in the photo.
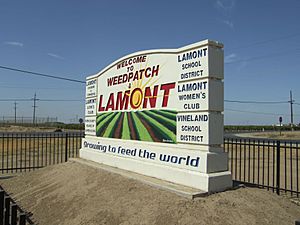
(39, 88)
(14, 99)
(267, 41)
(244, 46)
(80, 100)
(275, 54)
(60, 100)
(261, 113)
(252, 112)
(40, 74)
(256, 102)
(42, 100)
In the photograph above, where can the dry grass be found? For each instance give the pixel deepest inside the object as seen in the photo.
(18, 153)
(13, 128)
(256, 163)
(285, 135)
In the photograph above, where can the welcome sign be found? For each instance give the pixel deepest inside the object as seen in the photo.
(160, 110)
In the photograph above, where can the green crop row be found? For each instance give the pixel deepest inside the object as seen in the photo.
(163, 131)
(161, 122)
(102, 115)
(170, 124)
(109, 131)
(142, 132)
(125, 128)
(166, 113)
(102, 124)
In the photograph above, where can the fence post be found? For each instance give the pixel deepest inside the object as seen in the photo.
(7, 210)
(66, 148)
(1, 206)
(278, 167)
(22, 219)
(14, 209)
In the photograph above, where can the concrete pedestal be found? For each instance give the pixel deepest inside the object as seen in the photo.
(204, 169)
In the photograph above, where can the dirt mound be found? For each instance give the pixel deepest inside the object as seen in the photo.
(72, 193)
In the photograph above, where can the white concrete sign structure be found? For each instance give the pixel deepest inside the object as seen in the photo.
(160, 113)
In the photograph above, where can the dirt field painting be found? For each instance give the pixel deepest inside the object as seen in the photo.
(148, 125)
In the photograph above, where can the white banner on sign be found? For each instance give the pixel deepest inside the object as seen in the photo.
(200, 128)
(91, 88)
(90, 107)
(90, 126)
(201, 63)
(173, 157)
(200, 95)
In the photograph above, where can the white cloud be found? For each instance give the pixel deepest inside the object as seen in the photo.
(242, 65)
(228, 23)
(55, 56)
(14, 43)
(238, 62)
(230, 58)
(225, 5)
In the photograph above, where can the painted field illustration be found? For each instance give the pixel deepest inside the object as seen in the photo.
(147, 125)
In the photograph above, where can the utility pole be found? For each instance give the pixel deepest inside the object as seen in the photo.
(34, 106)
(291, 104)
(15, 108)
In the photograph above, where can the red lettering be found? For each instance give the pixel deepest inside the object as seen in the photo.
(101, 108)
(155, 71)
(122, 102)
(146, 72)
(130, 76)
(115, 80)
(110, 81)
(141, 73)
(110, 103)
(125, 77)
(120, 79)
(136, 76)
(138, 59)
(152, 98)
(166, 88)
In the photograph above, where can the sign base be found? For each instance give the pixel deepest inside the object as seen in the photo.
(203, 170)
(178, 189)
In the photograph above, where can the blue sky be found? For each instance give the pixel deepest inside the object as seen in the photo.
(78, 38)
